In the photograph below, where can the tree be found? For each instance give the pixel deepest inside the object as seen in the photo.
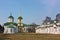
(34, 25)
(1, 29)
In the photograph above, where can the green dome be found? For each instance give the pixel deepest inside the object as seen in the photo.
(11, 17)
(20, 17)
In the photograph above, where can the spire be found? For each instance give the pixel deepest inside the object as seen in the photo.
(20, 12)
(20, 17)
(11, 12)
(11, 15)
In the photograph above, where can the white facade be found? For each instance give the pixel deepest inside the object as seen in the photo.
(41, 30)
(12, 30)
(10, 20)
(25, 29)
(48, 30)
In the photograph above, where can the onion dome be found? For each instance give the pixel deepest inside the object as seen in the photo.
(20, 17)
(11, 16)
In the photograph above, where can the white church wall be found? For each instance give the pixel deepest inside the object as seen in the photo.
(5, 29)
(48, 30)
(10, 30)
(13, 30)
(42, 30)
(58, 30)
(38, 30)
(16, 29)
(51, 30)
(10, 20)
(25, 29)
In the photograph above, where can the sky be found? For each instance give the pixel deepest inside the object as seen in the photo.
(31, 10)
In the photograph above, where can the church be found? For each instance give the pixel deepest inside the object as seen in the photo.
(49, 26)
(11, 27)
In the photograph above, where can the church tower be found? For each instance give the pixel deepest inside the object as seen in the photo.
(10, 18)
(20, 24)
(20, 21)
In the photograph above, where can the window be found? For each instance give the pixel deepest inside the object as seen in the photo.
(11, 30)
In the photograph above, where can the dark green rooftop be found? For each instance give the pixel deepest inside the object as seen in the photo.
(10, 26)
(11, 17)
(20, 17)
(8, 23)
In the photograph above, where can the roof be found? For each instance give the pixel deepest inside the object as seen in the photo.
(11, 17)
(11, 26)
(8, 23)
(20, 17)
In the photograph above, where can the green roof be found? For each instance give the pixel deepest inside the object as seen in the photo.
(10, 26)
(8, 23)
(11, 17)
(20, 17)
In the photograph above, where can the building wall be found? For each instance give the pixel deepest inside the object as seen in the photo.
(5, 29)
(50, 30)
(10, 20)
(10, 30)
(42, 30)
(58, 30)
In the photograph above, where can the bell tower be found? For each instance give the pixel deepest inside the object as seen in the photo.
(20, 24)
(20, 21)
